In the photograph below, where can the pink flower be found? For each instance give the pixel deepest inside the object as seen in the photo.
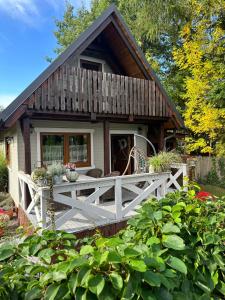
(70, 166)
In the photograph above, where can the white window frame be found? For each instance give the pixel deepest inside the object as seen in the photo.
(93, 59)
(39, 131)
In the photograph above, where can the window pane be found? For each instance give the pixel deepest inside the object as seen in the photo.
(52, 149)
(78, 148)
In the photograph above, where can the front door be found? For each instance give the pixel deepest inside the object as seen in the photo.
(121, 145)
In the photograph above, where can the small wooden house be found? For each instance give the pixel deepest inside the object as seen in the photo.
(87, 106)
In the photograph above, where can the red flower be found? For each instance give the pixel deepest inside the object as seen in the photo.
(203, 196)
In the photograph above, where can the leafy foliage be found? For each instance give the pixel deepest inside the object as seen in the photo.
(3, 173)
(172, 249)
(201, 56)
(163, 160)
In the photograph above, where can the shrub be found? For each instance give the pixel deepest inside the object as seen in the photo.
(3, 173)
(163, 160)
(172, 249)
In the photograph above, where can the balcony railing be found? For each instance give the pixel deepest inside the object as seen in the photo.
(71, 89)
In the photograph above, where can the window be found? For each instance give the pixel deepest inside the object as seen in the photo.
(65, 148)
(90, 65)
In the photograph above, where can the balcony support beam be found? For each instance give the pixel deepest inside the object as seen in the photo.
(106, 147)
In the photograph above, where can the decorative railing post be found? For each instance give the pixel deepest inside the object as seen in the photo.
(185, 177)
(118, 197)
(163, 189)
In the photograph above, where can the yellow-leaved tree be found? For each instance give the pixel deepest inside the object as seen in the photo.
(201, 56)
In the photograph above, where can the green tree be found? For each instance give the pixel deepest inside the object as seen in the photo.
(201, 55)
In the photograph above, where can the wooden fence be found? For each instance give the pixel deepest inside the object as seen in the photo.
(72, 89)
(204, 164)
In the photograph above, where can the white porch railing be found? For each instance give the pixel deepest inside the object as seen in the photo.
(127, 194)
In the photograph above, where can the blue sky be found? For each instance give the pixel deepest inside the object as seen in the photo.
(26, 38)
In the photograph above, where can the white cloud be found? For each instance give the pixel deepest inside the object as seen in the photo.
(23, 10)
(30, 11)
(6, 99)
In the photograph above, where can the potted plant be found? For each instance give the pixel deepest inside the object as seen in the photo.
(39, 176)
(71, 173)
(162, 161)
(56, 171)
(4, 220)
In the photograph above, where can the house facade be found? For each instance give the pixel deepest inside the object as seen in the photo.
(89, 107)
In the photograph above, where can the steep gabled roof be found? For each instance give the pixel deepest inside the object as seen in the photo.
(111, 15)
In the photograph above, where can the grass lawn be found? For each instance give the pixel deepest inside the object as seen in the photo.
(215, 190)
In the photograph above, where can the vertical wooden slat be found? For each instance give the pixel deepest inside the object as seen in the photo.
(79, 78)
(139, 96)
(68, 92)
(73, 104)
(146, 98)
(57, 87)
(118, 94)
(122, 92)
(149, 97)
(142, 98)
(126, 87)
(49, 92)
(157, 100)
(134, 81)
(63, 87)
(114, 84)
(95, 91)
(109, 97)
(43, 102)
(153, 99)
(161, 104)
(131, 97)
(90, 95)
(85, 92)
(104, 92)
(100, 105)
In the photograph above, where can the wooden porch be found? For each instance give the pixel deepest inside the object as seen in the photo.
(75, 212)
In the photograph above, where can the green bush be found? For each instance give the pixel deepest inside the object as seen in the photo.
(163, 160)
(3, 173)
(172, 249)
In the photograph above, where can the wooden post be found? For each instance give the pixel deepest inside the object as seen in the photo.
(161, 137)
(106, 148)
(118, 198)
(25, 127)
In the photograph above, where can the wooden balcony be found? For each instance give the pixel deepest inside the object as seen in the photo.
(71, 89)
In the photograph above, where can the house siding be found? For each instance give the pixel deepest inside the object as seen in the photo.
(18, 154)
(13, 168)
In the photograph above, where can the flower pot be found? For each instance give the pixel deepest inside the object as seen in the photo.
(72, 176)
(151, 169)
(57, 179)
